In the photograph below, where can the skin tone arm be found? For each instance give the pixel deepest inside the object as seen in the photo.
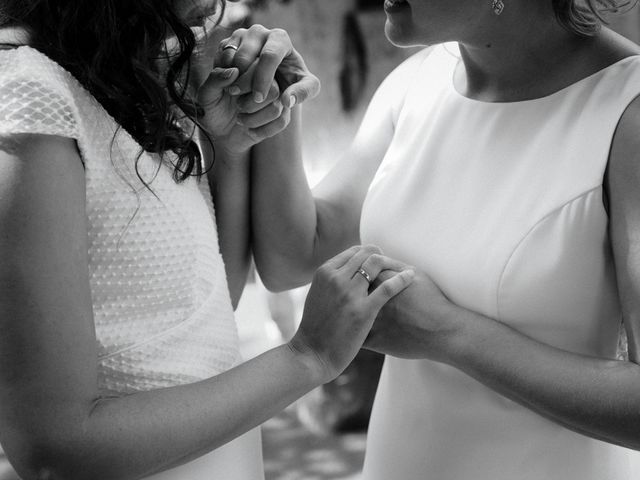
(54, 424)
(296, 229)
(270, 54)
(596, 397)
(242, 109)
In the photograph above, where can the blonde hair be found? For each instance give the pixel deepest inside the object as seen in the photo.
(584, 17)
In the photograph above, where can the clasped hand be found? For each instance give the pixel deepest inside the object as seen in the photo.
(418, 323)
(258, 77)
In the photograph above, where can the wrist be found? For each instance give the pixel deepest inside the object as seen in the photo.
(308, 359)
(456, 338)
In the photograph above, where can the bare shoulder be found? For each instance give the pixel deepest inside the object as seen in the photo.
(39, 152)
(623, 179)
(42, 185)
(609, 47)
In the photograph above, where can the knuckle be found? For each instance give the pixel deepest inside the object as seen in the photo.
(258, 27)
(275, 109)
(239, 33)
(334, 280)
(387, 289)
(269, 54)
(241, 57)
(323, 271)
(376, 260)
(280, 32)
(372, 249)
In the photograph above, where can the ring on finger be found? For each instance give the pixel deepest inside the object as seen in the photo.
(365, 274)
(230, 47)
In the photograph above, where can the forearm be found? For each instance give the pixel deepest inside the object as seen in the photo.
(593, 396)
(140, 434)
(284, 215)
(230, 190)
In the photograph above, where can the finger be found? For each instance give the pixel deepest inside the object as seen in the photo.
(376, 264)
(246, 103)
(250, 47)
(276, 48)
(242, 86)
(273, 128)
(307, 88)
(390, 288)
(220, 78)
(342, 258)
(351, 268)
(263, 117)
(228, 47)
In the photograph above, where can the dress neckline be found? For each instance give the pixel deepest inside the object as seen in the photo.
(531, 101)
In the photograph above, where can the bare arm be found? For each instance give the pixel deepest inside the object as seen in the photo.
(53, 422)
(596, 397)
(295, 229)
(229, 184)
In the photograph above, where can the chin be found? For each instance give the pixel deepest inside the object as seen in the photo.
(401, 37)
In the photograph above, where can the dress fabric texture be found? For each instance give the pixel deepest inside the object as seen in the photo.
(502, 205)
(161, 304)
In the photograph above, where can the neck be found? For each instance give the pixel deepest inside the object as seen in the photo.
(523, 55)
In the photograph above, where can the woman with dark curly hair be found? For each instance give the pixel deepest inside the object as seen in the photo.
(118, 353)
(506, 168)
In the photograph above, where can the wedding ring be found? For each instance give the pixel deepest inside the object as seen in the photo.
(230, 46)
(364, 273)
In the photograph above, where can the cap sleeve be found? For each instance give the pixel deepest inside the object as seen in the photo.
(34, 99)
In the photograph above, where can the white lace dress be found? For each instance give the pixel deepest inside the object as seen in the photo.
(161, 304)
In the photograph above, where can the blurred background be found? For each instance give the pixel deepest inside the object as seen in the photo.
(322, 436)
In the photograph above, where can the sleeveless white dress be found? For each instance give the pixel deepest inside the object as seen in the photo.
(161, 304)
(502, 205)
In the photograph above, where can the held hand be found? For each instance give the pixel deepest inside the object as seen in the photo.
(415, 324)
(275, 58)
(339, 310)
(238, 122)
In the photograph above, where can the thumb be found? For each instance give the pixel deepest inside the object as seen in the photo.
(306, 89)
(221, 78)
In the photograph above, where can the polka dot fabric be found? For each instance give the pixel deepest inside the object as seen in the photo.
(161, 304)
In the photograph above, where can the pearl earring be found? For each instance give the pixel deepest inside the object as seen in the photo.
(498, 6)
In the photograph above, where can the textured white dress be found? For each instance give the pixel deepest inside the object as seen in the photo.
(161, 304)
(502, 205)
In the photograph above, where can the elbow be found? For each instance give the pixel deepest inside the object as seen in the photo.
(280, 274)
(277, 284)
(49, 459)
(277, 281)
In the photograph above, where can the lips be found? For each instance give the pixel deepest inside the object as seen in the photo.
(392, 6)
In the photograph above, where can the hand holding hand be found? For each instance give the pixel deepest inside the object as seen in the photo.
(243, 102)
(274, 57)
(339, 310)
(238, 122)
(416, 324)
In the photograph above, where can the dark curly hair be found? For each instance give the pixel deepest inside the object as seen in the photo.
(584, 17)
(112, 48)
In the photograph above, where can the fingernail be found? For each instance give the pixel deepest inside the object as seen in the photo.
(239, 122)
(228, 73)
(292, 101)
(234, 90)
(258, 97)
